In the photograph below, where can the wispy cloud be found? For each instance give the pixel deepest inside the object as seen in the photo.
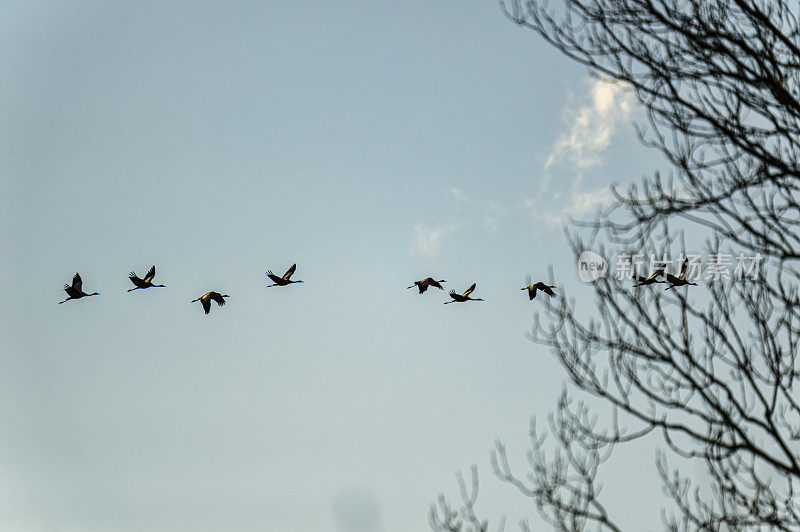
(427, 240)
(590, 129)
(592, 126)
(459, 194)
(465, 213)
(585, 201)
(579, 203)
(494, 213)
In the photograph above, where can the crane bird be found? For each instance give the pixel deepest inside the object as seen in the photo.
(426, 282)
(680, 280)
(642, 280)
(147, 282)
(282, 281)
(206, 299)
(546, 288)
(75, 291)
(460, 298)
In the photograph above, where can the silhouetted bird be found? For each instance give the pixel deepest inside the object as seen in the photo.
(681, 279)
(76, 290)
(282, 281)
(546, 288)
(147, 282)
(426, 282)
(206, 299)
(460, 298)
(642, 280)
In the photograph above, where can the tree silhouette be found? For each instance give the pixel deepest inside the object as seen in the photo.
(707, 372)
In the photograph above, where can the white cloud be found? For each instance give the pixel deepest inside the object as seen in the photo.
(589, 131)
(592, 126)
(580, 203)
(584, 202)
(494, 213)
(465, 212)
(459, 195)
(428, 240)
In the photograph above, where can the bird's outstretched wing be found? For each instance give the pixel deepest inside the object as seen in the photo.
(70, 290)
(640, 278)
(289, 272)
(218, 298)
(684, 267)
(206, 304)
(546, 289)
(672, 279)
(437, 284)
(150, 274)
(77, 282)
(274, 277)
(469, 290)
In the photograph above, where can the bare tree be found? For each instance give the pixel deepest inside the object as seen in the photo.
(707, 372)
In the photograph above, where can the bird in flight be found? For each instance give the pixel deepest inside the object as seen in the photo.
(680, 280)
(206, 299)
(460, 298)
(546, 288)
(282, 281)
(642, 280)
(426, 282)
(147, 282)
(75, 291)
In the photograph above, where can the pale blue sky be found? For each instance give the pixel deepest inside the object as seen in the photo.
(371, 143)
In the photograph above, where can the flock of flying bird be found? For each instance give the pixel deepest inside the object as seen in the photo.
(423, 285)
(75, 290)
(674, 281)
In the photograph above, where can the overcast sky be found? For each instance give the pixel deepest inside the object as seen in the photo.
(371, 143)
